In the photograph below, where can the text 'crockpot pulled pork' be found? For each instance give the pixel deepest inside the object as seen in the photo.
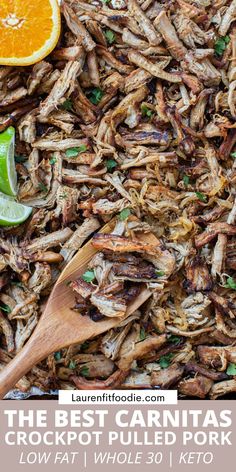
(134, 113)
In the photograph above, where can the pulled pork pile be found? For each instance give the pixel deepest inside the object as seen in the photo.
(133, 112)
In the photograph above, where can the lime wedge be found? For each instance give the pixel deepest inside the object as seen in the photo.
(8, 175)
(11, 212)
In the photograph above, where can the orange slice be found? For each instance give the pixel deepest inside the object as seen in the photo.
(29, 30)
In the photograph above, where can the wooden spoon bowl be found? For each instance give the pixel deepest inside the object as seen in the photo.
(59, 325)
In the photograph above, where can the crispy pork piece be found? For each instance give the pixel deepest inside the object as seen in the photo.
(110, 306)
(122, 244)
(222, 388)
(84, 289)
(213, 229)
(165, 378)
(112, 382)
(198, 387)
(197, 276)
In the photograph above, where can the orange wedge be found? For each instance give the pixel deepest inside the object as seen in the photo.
(29, 30)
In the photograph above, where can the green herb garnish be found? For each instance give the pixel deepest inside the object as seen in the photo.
(5, 308)
(84, 371)
(53, 161)
(230, 283)
(84, 346)
(74, 152)
(67, 104)
(89, 275)
(57, 356)
(231, 370)
(17, 284)
(95, 95)
(106, 1)
(201, 196)
(146, 111)
(142, 334)
(110, 36)
(124, 214)
(20, 159)
(233, 154)
(186, 180)
(160, 273)
(165, 361)
(72, 365)
(110, 164)
(174, 339)
(220, 45)
(42, 187)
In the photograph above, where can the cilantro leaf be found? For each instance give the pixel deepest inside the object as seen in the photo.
(57, 356)
(5, 308)
(67, 104)
(201, 196)
(84, 371)
(72, 365)
(73, 152)
(186, 180)
(124, 214)
(165, 361)
(220, 45)
(110, 36)
(42, 187)
(95, 95)
(110, 164)
(231, 370)
(231, 283)
(142, 334)
(233, 154)
(174, 339)
(89, 275)
(84, 346)
(106, 1)
(53, 161)
(20, 159)
(160, 273)
(146, 111)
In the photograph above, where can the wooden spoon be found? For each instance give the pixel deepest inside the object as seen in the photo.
(59, 325)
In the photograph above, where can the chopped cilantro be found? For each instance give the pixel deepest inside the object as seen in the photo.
(42, 187)
(220, 45)
(164, 361)
(231, 370)
(174, 339)
(95, 95)
(20, 159)
(17, 283)
(124, 214)
(186, 180)
(201, 196)
(106, 1)
(89, 275)
(73, 152)
(233, 154)
(72, 365)
(142, 334)
(110, 164)
(84, 371)
(5, 308)
(231, 283)
(53, 161)
(57, 356)
(84, 346)
(146, 111)
(67, 104)
(110, 36)
(160, 273)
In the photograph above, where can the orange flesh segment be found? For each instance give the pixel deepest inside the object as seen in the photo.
(26, 26)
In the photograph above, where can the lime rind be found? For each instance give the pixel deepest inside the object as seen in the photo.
(13, 213)
(8, 175)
